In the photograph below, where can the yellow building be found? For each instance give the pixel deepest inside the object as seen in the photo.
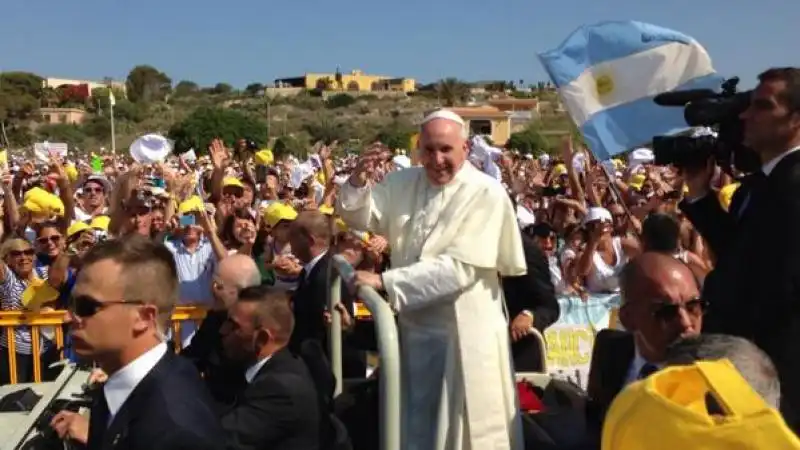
(355, 81)
(487, 120)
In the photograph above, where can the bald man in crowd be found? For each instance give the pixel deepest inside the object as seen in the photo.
(661, 303)
(223, 377)
(451, 230)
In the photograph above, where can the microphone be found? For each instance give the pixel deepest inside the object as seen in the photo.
(681, 98)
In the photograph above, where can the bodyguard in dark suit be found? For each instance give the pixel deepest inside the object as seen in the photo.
(152, 400)
(612, 356)
(168, 409)
(310, 237)
(279, 409)
(531, 302)
(754, 290)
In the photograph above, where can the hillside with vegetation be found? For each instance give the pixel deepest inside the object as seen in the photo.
(192, 115)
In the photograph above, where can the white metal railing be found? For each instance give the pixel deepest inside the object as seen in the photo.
(388, 350)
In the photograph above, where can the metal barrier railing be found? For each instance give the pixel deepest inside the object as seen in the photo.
(388, 350)
(10, 320)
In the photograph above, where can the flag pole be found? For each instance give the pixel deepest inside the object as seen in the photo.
(111, 102)
(3, 123)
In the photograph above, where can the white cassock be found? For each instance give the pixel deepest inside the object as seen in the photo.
(448, 245)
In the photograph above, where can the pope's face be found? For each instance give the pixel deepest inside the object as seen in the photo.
(442, 150)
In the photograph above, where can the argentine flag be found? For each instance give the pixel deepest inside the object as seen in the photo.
(607, 75)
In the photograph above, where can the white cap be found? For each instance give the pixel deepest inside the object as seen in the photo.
(446, 114)
(150, 148)
(597, 213)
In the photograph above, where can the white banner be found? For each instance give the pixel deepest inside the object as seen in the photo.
(570, 340)
(43, 150)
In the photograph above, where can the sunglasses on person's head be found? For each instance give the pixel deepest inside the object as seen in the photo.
(26, 252)
(55, 239)
(670, 311)
(87, 306)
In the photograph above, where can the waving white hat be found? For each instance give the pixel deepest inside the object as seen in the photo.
(150, 148)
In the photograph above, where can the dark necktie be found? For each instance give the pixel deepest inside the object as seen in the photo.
(98, 420)
(647, 370)
(302, 279)
(755, 183)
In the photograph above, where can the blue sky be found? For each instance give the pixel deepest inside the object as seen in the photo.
(241, 41)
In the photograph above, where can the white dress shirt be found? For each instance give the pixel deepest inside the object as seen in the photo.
(769, 166)
(308, 267)
(122, 382)
(252, 371)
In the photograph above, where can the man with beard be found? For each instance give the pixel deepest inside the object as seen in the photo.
(279, 408)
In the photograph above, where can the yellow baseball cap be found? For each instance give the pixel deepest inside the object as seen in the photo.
(37, 293)
(559, 169)
(40, 202)
(669, 410)
(637, 181)
(100, 223)
(77, 227)
(191, 204)
(277, 211)
(264, 157)
(232, 181)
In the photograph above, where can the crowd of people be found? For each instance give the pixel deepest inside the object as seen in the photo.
(470, 245)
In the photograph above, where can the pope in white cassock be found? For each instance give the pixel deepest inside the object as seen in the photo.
(452, 231)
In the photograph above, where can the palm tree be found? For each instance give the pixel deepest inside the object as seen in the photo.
(452, 91)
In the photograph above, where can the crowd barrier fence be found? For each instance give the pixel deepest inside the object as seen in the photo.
(10, 320)
(388, 351)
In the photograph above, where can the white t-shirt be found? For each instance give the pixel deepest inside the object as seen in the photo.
(83, 216)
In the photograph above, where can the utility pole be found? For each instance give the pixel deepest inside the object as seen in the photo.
(3, 122)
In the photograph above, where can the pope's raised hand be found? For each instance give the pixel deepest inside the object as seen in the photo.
(368, 163)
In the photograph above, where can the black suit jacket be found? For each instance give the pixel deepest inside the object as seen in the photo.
(309, 302)
(279, 410)
(612, 355)
(754, 290)
(533, 291)
(223, 377)
(169, 409)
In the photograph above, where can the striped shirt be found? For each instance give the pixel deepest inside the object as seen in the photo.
(11, 290)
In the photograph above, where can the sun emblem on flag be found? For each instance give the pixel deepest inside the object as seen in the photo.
(604, 84)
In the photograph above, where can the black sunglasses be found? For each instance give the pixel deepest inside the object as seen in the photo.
(18, 253)
(55, 239)
(87, 306)
(667, 312)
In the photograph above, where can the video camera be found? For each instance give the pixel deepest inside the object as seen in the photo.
(706, 108)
